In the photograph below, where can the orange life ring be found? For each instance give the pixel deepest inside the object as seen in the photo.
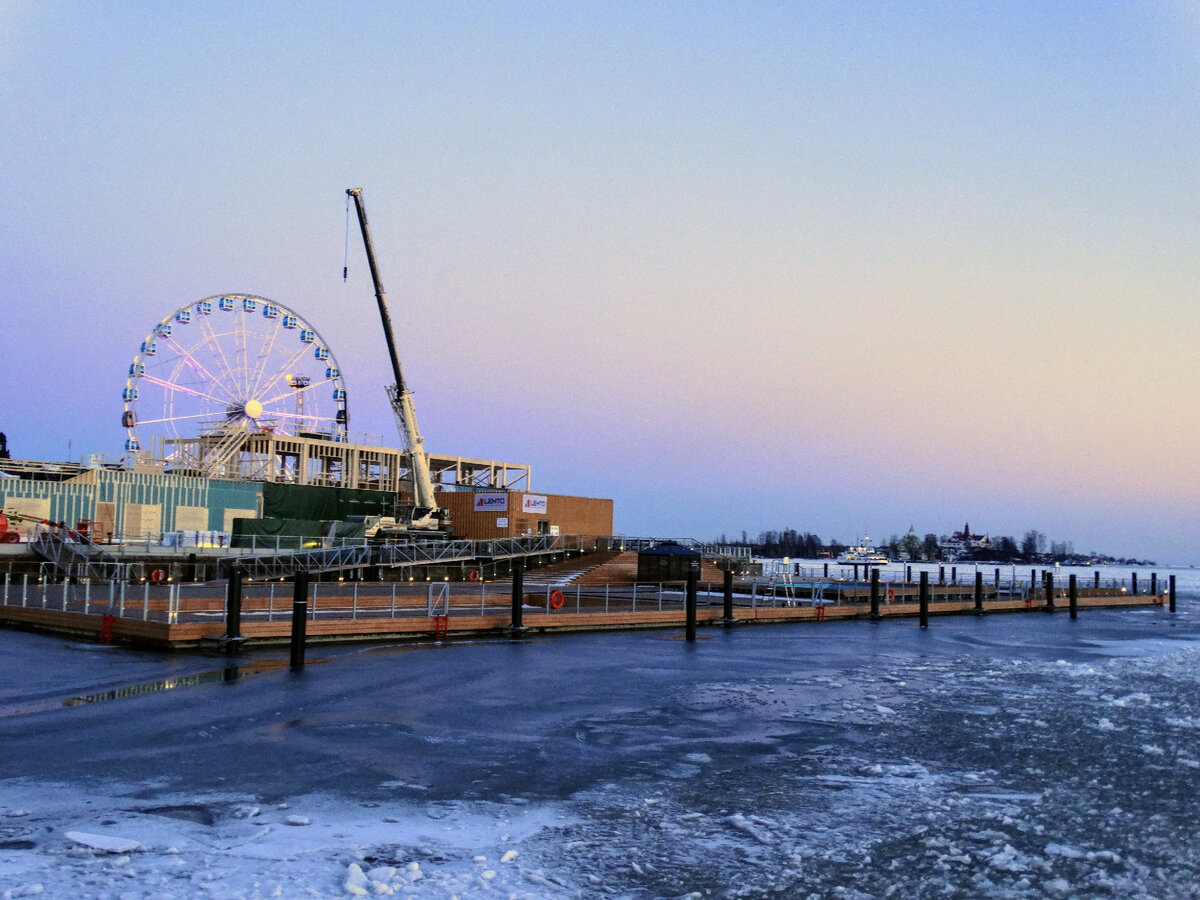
(158, 575)
(891, 594)
(556, 599)
(474, 576)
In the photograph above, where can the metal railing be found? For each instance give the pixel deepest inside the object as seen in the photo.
(174, 603)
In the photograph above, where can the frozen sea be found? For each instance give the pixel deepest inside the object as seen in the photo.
(1004, 756)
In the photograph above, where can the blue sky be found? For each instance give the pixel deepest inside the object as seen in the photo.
(838, 267)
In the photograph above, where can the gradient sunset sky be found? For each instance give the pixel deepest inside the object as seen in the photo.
(842, 267)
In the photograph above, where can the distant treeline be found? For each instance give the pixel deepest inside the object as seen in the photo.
(1034, 546)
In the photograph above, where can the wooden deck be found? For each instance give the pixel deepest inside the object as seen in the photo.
(374, 619)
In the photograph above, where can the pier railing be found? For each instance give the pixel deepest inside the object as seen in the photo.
(271, 601)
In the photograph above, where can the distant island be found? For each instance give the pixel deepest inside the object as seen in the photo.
(960, 546)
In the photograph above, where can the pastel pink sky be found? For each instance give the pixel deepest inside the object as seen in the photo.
(842, 268)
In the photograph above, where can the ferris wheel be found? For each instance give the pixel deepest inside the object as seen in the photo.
(233, 364)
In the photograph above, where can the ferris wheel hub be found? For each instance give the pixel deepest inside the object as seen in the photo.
(253, 409)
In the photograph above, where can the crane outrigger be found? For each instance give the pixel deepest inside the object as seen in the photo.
(425, 514)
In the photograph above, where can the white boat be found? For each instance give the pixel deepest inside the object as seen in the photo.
(864, 554)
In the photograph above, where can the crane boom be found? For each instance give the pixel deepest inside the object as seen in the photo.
(399, 394)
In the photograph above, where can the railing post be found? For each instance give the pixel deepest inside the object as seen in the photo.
(299, 618)
(145, 601)
(923, 596)
(1073, 595)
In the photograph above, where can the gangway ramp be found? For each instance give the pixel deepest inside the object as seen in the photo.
(400, 554)
(75, 554)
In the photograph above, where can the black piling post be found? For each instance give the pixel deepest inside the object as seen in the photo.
(1097, 574)
(874, 593)
(190, 570)
(299, 618)
(923, 595)
(908, 573)
(954, 574)
(1073, 595)
(1154, 585)
(997, 578)
(856, 571)
(518, 594)
(941, 574)
(1048, 587)
(979, 593)
(693, 578)
(1171, 592)
(233, 605)
(728, 620)
(826, 570)
(1133, 582)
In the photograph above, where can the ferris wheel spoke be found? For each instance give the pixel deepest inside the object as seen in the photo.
(287, 369)
(181, 389)
(189, 358)
(265, 358)
(306, 417)
(217, 349)
(179, 418)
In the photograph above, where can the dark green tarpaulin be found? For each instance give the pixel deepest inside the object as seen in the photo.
(292, 534)
(286, 534)
(296, 501)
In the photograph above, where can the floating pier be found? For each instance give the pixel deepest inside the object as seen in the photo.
(244, 612)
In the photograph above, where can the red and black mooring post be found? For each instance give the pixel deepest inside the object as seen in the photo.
(693, 579)
(728, 620)
(299, 618)
(518, 594)
(233, 605)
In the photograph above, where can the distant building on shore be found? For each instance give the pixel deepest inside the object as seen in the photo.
(964, 544)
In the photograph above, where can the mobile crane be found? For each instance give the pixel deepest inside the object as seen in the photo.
(425, 514)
